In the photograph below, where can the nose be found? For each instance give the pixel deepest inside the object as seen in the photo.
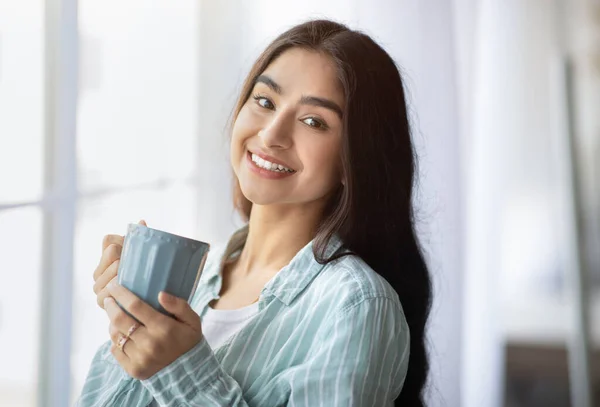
(277, 133)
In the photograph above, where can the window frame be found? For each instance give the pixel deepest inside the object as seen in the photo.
(59, 202)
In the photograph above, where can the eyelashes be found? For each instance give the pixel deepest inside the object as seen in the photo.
(259, 99)
(317, 124)
(311, 121)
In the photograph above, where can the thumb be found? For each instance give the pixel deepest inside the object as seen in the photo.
(180, 309)
(142, 222)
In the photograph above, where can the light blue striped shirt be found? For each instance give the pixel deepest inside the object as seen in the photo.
(330, 336)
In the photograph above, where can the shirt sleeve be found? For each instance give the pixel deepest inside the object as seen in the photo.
(360, 359)
(107, 384)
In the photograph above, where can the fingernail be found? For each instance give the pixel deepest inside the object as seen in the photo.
(107, 301)
(112, 284)
(168, 297)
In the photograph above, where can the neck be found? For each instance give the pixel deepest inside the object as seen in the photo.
(275, 235)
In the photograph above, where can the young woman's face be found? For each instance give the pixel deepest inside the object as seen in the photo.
(286, 139)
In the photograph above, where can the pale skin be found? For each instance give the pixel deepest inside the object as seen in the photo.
(293, 115)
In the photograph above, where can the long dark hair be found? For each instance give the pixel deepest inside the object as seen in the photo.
(372, 212)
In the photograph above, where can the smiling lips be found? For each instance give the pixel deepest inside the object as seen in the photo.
(264, 166)
(268, 165)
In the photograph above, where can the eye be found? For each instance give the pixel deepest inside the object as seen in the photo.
(315, 123)
(264, 102)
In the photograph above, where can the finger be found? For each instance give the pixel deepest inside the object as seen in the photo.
(129, 344)
(112, 253)
(103, 294)
(112, 239)
(130, 363)
(104, 279)
(180, 308)
(113, 331)
(116, 335)
(121, 332)
(116, 239)
(140, 347)
(121, 323)
(118, 318)
(135, 306)
(120, 355)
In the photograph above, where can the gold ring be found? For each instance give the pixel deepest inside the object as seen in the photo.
(132, 329)
(122, 341)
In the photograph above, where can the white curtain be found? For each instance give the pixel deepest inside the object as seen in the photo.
(514, 190)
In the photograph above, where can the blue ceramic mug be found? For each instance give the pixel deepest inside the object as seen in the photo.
(153, 261)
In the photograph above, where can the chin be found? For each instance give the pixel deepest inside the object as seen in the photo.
(255, 196)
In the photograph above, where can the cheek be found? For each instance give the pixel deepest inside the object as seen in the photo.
(246, 123)
(239, 127)
(322, 162)
(242, 130)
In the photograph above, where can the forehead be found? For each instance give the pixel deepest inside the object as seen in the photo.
(309, 73)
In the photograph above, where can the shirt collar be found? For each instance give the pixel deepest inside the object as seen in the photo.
(292, 279)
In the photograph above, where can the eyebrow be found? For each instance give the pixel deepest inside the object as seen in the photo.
(304, 100)
(270, 83)
(326, 103)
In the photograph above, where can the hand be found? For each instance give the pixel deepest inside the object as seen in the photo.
(112, 245)
(159, 340)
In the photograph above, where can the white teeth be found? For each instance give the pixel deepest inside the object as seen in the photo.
(269, 165)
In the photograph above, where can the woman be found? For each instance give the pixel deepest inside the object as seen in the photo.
(322, 299)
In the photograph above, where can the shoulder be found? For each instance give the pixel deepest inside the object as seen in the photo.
(364, 279)
(356, 305)
(221, 249)
(213, 262)
(351, 282)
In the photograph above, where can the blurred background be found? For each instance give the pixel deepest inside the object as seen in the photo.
(114, 111)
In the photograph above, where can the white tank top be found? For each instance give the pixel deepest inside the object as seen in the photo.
(218, 325)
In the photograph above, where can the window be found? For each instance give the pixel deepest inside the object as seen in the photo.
(137, 155)
(21, 206)
(137, 131)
